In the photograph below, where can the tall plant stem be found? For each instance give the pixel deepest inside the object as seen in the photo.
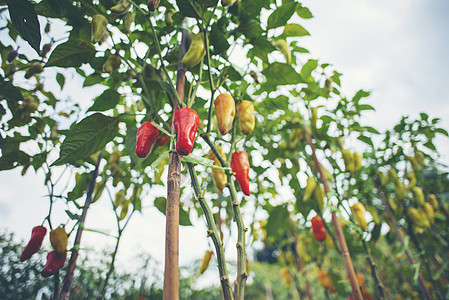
(67, 285)
(171, 275)
(379, 286)
(213, 233)
(338, 230)
(411, 260)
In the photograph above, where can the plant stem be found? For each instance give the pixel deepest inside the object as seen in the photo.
(213, 233)
(67, 285)
(338, 230)
(379, 286)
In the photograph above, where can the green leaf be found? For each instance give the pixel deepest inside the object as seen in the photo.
(359, 95)
(307, 69)
(107, 100)
(281, 15)
(441, 131)
(430, 145)
(366, 140)
(82, 183)
(72, 216)
(87, 137)
(303, 12)
(294, 30)
(280, 74)
(72, 53)
(59, 6)
(24, 19)
(277, 220)
(365, 107)
(189, 8)
(60, 78)
(10, 92)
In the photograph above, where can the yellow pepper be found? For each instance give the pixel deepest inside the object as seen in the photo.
(357, 157)
(285, 50)
(348, 159)
(225, 112)
(310, 187)
(359, 213)
(196, 51)
(247, 122)
(121, 8)
(218, 175)
(99, 23)
(112, 63)
(206, 260)
(58, 240)
(418, 194)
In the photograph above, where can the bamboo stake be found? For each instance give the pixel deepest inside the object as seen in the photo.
(171, 274)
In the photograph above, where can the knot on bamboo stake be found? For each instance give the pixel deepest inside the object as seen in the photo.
(239, 246)
(209, 233)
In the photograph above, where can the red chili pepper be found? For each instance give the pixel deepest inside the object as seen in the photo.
(318, 228)
(55, 262)
(35, 243)
(240, 166)
(186, 122)
(146, 135)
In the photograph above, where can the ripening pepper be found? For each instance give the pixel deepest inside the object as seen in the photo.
(240, 166)
(227, 2)
(318, 229)
(418, 217)
(45, 49)
(225, 112)
(121, 8)
(129, 20)
(285, 50)
(35, 68)
(359, 212)
(410, 176)
(382, 177)
(206, 260)
(420, 158)
(35, 243)
(196, 51)
(319, 195)
(348, 159)
(185, 121)
(432, 199)
(99, 23)
(247, 121)
(419, 195)
(146, 135)
(413, 163)
(400, 190)
(286, 276)
(55, 262)
(310, 187)
(427, 208)
(328, 85)
(112, 63)
(168, 16)
(58, 240)
(219, 176)
(393, 175)
(325, 280)
(153, 4)
(124, 209)
(357, 157)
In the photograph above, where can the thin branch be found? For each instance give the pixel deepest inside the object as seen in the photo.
(67, 285)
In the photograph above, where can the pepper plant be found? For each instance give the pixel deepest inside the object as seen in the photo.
(228, 79)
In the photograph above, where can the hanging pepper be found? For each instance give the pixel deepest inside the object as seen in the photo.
(206, 260)
(285, 50)
(153, 4)
(121, 8)
(359, 212)
(245, 112)
(58, 239)
(227, 2)
(310, 187)
(348, 159)
(129, 20)
(319, 195)
(35, 243)
(325, 280)
(34, 69)
(55, 261)
(357, 157)
(196, 51)
(240, 166)
(225, 111)
(146, 135)
(112, 63)
(419, 195)
(286, 276)
(99, 23)
(219, 176)
(186, 123)
(318, 229)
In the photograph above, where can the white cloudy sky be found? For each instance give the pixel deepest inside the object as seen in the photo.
(396, 49)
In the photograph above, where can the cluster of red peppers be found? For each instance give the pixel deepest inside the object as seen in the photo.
(56, 258)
